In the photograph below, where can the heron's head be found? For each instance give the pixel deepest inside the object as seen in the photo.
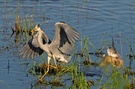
(35, 29)
(112, 52)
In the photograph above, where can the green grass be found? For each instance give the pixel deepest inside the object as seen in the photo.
(22, 27)
(116, 78)
(78, 80)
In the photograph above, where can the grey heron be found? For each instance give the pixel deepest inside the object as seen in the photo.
(58, 49)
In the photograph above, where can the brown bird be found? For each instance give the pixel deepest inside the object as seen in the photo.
(112, 57)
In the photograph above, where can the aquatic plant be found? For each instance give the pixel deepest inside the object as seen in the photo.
(116, 80)
(85, 51)
(22, 28)
(78, 79)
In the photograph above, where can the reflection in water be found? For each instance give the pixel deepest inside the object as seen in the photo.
(18, 26)
(8, 66)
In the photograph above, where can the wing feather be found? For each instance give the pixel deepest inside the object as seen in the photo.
(32, 48)
(35, 46)
(65, 37)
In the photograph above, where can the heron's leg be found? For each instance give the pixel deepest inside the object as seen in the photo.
(41, 79)
(55, 61)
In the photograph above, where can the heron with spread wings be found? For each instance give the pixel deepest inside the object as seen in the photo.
(58, 49)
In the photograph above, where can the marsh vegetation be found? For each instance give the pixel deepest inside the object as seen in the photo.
(90, 66)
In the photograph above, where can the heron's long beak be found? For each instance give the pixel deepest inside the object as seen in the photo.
(32, 32)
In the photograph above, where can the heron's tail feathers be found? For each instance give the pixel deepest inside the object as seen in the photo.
(68, 58)
(65, 59)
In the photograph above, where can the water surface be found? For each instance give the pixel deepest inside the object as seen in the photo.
(96, 19)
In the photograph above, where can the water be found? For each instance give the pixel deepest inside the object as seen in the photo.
(95, 19)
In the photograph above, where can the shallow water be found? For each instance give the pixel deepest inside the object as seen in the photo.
(100, 20)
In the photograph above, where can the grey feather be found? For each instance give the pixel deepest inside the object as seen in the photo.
(63, 42)
(65, 37)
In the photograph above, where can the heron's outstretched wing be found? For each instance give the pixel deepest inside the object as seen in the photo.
(32, 48)
(65, 37)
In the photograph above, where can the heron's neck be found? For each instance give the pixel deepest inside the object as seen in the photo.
(42, 46)
(39, 34)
